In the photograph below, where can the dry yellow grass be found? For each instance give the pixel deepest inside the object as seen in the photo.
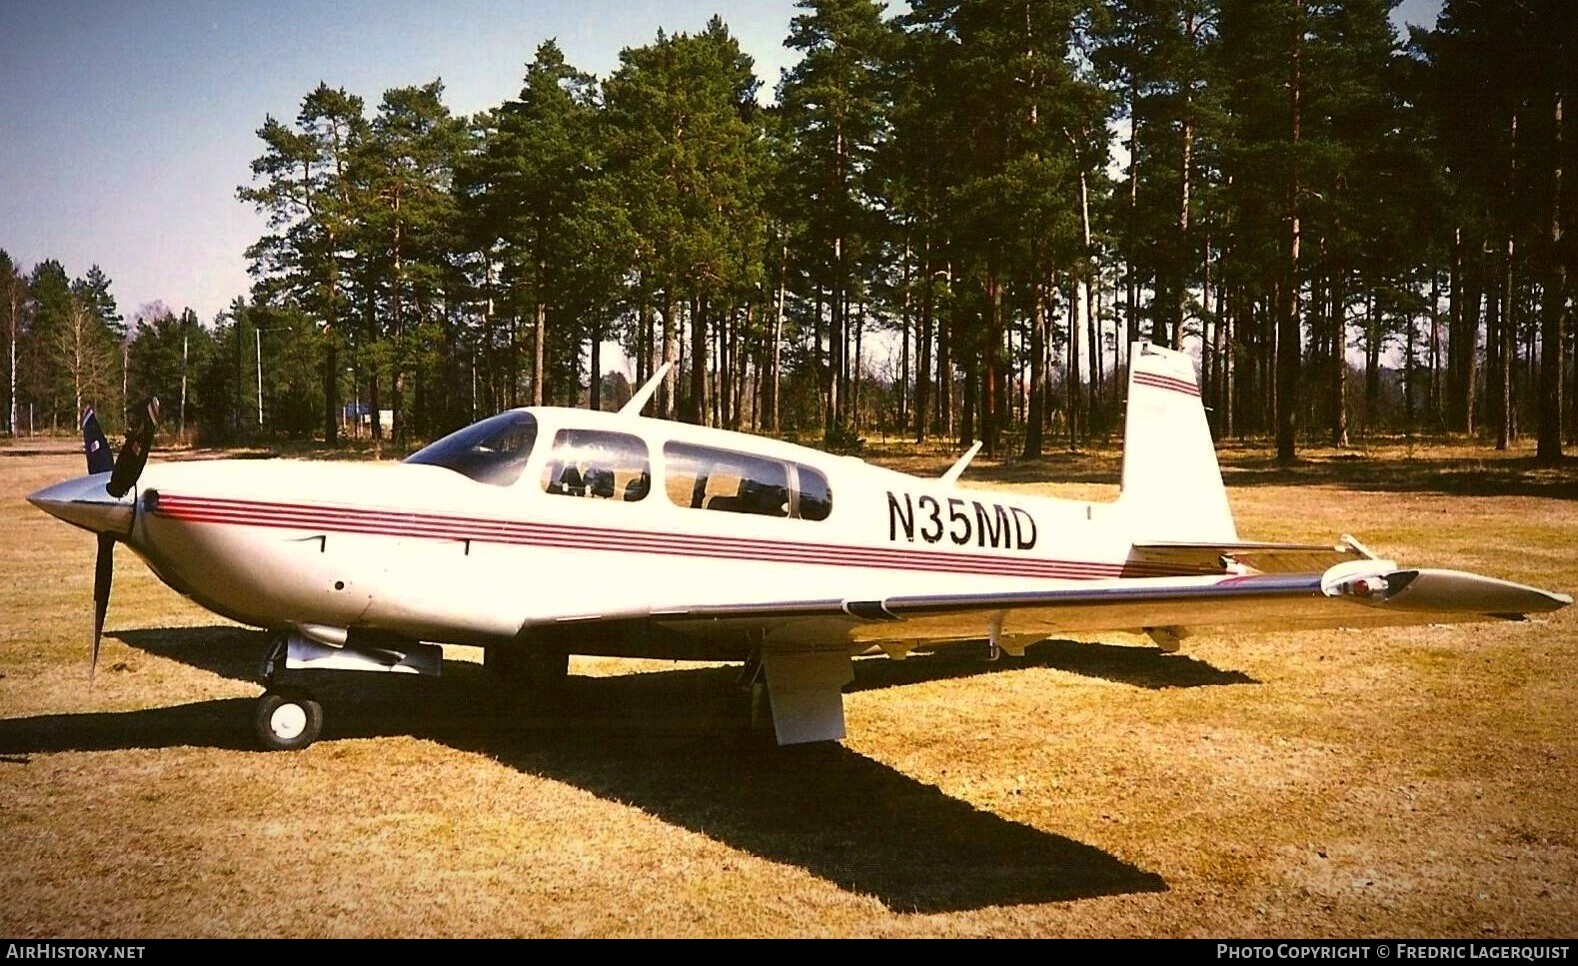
(1410, 782)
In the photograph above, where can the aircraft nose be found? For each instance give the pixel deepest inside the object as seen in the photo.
(84, 502)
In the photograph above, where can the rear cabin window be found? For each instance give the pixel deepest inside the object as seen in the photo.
(492, 451)
(704, 478)
(597, 464)
(815, 496)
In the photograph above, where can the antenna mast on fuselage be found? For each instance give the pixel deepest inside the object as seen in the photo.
(644, 395)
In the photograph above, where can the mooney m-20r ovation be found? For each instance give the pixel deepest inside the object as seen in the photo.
(545, 532)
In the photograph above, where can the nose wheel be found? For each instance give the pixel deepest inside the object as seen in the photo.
(287, 720)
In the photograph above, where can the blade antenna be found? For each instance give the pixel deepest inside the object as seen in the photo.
(957, 470)
(639, 401)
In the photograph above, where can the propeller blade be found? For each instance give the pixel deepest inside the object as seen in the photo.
(103, 576)
(97, 448)
(134, 453)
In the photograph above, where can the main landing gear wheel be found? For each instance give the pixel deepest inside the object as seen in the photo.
(287, 720)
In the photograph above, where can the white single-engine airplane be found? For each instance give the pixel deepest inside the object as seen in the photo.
(543, 532)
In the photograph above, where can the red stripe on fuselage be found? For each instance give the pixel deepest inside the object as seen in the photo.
(393, 523)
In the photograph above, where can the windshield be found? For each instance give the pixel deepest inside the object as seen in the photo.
(492, 451)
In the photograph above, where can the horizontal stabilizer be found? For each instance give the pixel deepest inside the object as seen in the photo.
(1264, 558)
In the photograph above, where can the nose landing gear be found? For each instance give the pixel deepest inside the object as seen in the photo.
(288, 717)
(287, 720)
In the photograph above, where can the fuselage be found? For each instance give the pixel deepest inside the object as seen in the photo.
(598, 515)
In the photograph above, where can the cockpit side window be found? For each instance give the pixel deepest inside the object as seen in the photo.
(594, 463)
(493, 451)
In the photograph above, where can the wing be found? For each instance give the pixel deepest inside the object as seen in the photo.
(805, 646)
(1363, 593)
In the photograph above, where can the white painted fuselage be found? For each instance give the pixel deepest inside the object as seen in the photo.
(426, 552)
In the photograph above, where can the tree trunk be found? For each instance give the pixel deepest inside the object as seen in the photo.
(14, 302)
(1131, 270)
(1180, 289)
(854, 366)
(967, 434)
(1091, 300)
(668, 404)
(1507, 347)
(727, 326)
(594, 379)
(1553, 333)
(1339, 359)
(696, 406)
(1507, 340)
(1372, 362)
(539, 361)
(773, 397)
(1072, 390)
(1035, 417)
(923, 350)
(946, 332)
(185, 339)
(835, 349)
(1408, 371)
(1473, 295)
(903, 387)
(1434, 396)
(992, 368)
(1288, 336)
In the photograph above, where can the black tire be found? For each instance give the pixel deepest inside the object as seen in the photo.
(287, 720)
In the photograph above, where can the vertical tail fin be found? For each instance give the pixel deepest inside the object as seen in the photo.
(1172, 485)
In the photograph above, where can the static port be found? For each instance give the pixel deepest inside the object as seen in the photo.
(339, 585)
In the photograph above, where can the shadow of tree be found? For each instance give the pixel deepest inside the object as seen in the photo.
(1509, 476)
(671, 743)
(1448, 475)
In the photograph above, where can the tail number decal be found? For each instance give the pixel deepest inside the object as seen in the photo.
(960, 522)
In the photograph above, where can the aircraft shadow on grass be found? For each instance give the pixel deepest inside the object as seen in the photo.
(675, 744)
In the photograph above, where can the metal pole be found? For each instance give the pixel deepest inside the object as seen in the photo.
(257, 338)
(13, 425)
(184, 333)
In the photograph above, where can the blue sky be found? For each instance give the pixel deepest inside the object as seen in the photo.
(125, 127)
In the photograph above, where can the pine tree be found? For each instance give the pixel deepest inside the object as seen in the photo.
(684, 150)
(834, 110)
(403, 170)
(307, 190)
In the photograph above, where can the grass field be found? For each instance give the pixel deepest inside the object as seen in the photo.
(1417, 782)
